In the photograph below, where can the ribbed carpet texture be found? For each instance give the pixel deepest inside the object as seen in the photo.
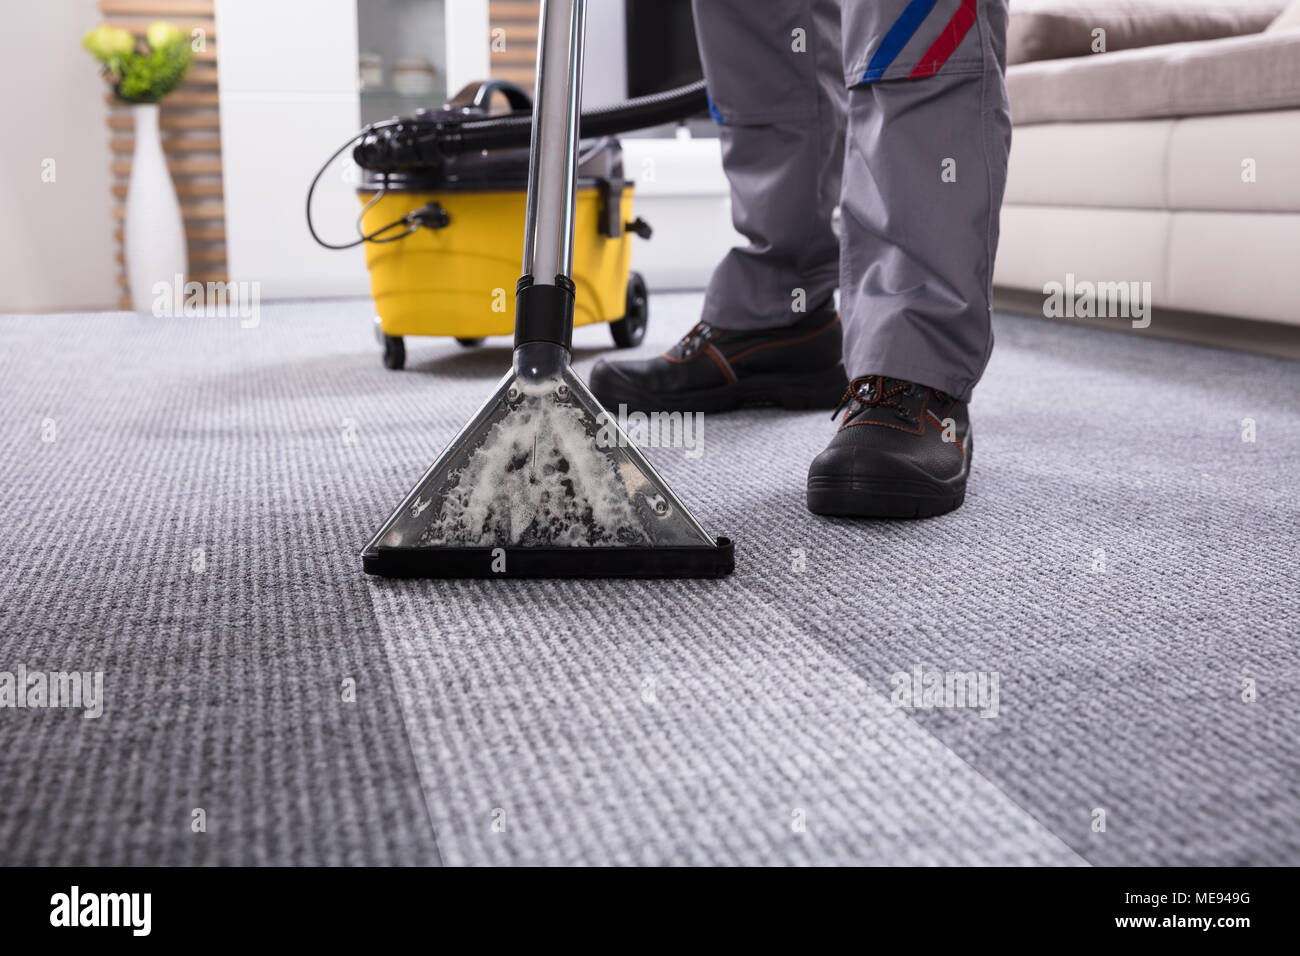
(183, 501)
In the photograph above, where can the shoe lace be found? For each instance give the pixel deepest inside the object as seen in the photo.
(696, 338)
(877, 391)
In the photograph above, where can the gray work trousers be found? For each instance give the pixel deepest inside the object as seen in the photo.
(894, 110)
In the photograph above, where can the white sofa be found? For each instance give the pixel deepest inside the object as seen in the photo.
(1177, 165)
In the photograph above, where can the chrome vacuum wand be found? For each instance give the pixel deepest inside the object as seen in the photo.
(545, 294)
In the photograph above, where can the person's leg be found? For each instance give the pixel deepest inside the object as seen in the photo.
(928, 137)
(774, 74)
(769, 333)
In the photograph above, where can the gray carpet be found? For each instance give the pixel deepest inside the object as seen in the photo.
(743, 721)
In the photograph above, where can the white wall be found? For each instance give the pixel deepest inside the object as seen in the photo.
(56, 245)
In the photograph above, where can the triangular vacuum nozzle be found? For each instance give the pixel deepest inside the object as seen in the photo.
(543, 483)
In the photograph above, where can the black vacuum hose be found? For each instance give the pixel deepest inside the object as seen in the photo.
(426, 143)
(506, 132)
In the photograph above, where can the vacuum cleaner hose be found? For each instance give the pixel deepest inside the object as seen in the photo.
(416, 143)
(669, 106)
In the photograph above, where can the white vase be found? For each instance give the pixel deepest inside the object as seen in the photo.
(155, 233)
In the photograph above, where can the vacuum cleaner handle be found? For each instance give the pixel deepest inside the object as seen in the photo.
(413, 142)
(545, 294)
(478, 96)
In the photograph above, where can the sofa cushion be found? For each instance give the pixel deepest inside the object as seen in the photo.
(1237, 264)
(1239, 162)
(1042, 244)
(1120, 165)
(1229, 263)
(1233, 75)
(1051, 29)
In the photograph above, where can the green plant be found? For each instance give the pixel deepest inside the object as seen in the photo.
(140, 71)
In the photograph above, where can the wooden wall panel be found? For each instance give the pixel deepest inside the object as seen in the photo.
(191, 127)
(518, 21)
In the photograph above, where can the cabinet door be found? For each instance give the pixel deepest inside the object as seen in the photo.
(288, 99)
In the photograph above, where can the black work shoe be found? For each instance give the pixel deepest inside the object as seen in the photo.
(716, 370)
(902, 451)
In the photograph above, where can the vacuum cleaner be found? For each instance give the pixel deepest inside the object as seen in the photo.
(541, 482)
(438, 188)
(450, 273)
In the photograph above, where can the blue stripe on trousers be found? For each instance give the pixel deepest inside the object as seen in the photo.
(904, 29)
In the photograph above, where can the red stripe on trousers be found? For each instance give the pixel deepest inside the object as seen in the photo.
(953, 33)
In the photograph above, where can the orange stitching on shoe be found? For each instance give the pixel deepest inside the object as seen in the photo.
(885, 425)
(784, 342)
(718, 360)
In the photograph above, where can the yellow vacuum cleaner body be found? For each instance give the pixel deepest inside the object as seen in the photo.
(451, 270)
(459, 279)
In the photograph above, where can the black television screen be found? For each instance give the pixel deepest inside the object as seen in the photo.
(661, 51)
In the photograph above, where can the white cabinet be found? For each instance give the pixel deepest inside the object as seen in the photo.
(419, 52)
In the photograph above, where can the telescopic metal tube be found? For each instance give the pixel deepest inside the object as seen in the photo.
(553, 166)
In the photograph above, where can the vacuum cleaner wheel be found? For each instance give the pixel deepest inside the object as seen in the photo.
(629, 331)
(394, 352)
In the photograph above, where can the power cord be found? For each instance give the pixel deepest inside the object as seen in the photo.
(430, 216)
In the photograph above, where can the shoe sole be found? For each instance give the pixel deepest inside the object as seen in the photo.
(851, 497)
(795, 392)
(859, 498)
